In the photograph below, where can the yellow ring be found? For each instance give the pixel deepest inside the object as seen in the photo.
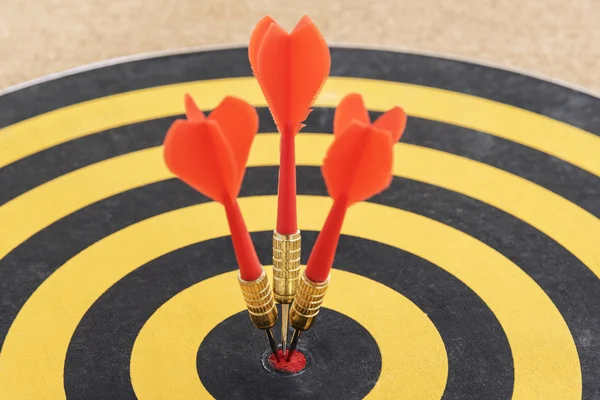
(561, 140)
(570, 225)
(163, 360)
(546, 363)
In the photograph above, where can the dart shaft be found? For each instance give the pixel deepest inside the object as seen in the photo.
(259, 301)
(286, 194)
(323, 253)
(250, 268)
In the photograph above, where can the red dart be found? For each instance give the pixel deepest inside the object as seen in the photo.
(210, 155)
(291, 69)
(357, 166)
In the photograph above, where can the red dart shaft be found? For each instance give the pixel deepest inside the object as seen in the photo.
(322, 255)
(287, 223)
(250, 268)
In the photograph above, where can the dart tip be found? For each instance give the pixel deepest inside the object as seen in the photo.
(272, 343)
(285, 312)
(293, 344)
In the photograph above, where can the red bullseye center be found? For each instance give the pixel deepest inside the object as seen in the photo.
(296, 364)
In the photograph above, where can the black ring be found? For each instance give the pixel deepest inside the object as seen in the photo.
(576, 184)
(563, 104)
(479, 358)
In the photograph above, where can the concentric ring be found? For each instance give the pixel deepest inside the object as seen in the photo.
(522, 182)
(422, 132)
(414, 337)
(563, 141)
(476, 357)
(570, 225)
(522, 303)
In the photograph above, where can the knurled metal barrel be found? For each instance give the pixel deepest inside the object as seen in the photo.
(307, 303)
(260, 302)
(286, 266)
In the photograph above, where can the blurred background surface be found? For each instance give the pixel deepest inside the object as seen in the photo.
(556, 38)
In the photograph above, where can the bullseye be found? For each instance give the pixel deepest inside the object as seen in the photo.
(296, 365)
(328, 354)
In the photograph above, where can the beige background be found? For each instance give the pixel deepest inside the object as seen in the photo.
(555, 38)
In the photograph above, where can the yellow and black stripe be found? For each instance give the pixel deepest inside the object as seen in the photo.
(481, 259)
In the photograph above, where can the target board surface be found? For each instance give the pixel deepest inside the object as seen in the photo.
(474, 276)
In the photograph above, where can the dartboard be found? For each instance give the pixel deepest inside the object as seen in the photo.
(474, 276)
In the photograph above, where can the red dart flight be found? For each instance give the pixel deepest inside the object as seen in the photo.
(352, 107)
(291, 69)
(357, 166)
(210, 155)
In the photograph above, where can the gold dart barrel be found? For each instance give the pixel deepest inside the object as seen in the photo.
(286, 266)
(307, 303)
(259, 300)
